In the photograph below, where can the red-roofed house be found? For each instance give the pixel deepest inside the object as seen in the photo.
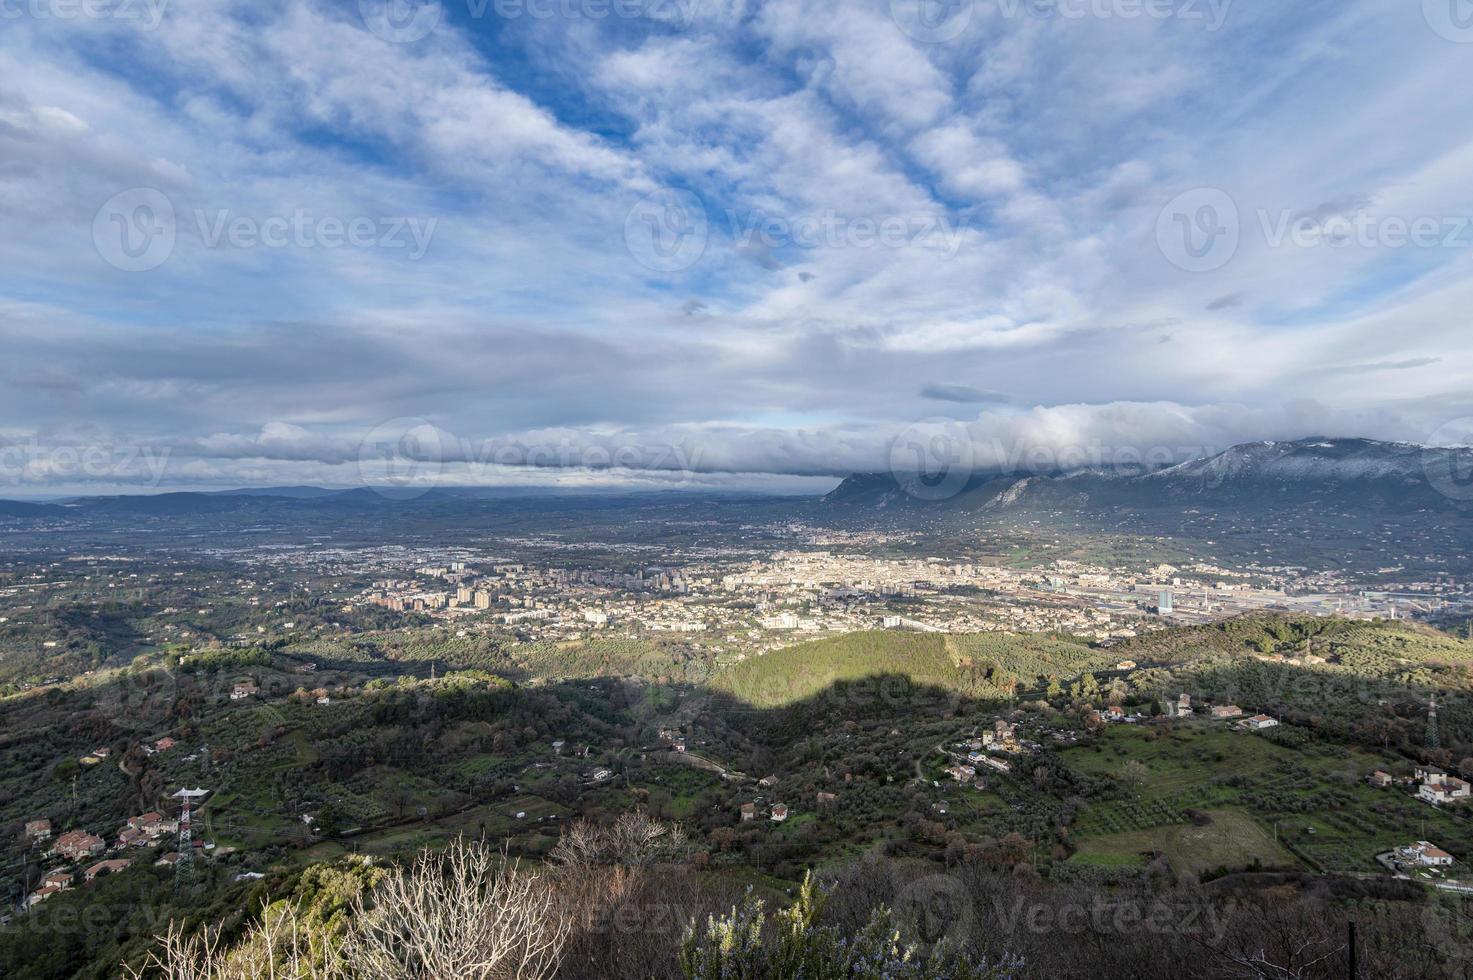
(40, 895)
(1426, 854)
(75, 845)
(105, 867)
(1444, 789)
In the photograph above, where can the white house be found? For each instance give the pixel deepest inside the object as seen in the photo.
(1444, 789)
(1425, 854)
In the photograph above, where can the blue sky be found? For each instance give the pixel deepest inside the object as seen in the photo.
(714, 244)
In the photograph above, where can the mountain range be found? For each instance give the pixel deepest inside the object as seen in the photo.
(1354, 475)
(1360, 474)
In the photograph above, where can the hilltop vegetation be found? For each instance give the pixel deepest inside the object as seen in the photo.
(985, 665)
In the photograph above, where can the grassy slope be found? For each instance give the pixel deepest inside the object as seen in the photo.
(1232, 840)
(980, 665)
(797, 672)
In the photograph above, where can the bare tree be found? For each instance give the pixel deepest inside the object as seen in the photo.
(279, 947)
(465, 913)
(635, 839)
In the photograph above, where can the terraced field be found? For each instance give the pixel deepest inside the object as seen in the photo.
(1313, 799)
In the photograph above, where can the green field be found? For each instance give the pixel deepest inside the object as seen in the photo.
(1232, 840)
(1317, 796)
(982, 665)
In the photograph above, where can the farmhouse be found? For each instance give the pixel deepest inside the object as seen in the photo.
(749, 812)
(961, 773)
(77, 844)
(38, 830)
(150, 823)
(40, 895)
(1443, 789)
(1259, 722)
(1380, 778)
(1180, 708)
(59, 879)
(243, 690)
(108, 867)
(1223, 711)
(779, 812)
(1425, 855)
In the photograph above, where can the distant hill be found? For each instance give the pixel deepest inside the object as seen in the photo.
(299, 493)
(21, 508)
(1359, 475)
(1346, 479)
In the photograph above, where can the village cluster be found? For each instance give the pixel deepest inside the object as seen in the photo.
(75, 850)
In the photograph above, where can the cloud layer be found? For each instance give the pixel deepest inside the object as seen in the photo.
(763, 240)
